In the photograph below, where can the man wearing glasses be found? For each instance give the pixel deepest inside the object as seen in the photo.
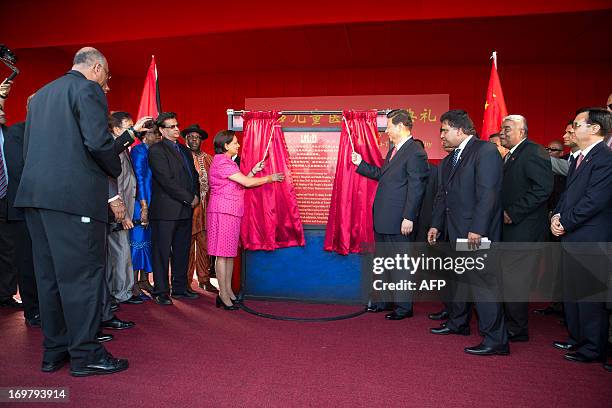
(174, 194)
(584, 215)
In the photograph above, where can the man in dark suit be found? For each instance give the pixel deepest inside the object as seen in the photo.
(527, 185)
(13, 226)
(174, 194)
(401, 187)
(583, 220)
(69, 155)
(468, 205)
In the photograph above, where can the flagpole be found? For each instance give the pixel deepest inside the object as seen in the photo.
(494, 58)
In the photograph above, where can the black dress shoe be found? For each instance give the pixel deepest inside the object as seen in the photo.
(162, 300)
(441, 315)
(104, 337)
(482, 350)
(219, 303)
(518, 338)
(107, 365)
(50, 367)
(11, 302)
(561, 345)
(374, 309)
(209, 287)
(550, 310)
(398, 316)
(579, 358)
(117, 324)
(134, 300)
(445, 330)
(185, 295)
(608, 367)
(33, 321)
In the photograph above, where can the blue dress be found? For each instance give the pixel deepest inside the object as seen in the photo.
(140, 238)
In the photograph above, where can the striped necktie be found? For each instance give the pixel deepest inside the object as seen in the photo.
(3, 177)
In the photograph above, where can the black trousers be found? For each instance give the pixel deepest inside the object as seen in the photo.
(69, 265)
(8, 272)
(389, 245)
(484, 288)
(170, 245)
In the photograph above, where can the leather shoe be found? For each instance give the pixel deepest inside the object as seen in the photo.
(104, 337)
(50, 367)
(608, 367)
(562, 345)
(185, 295)
(117, 324)
(11, 302)
(107, 365)
(209, 287)
(549, 310)
(518, 338)
(578, 358)
(134, 300)
(445, 330)
(441, 315)
(33, 321)
(482, 350)
(398, 316)
(162, 300)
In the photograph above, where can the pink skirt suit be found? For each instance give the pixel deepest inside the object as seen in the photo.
(225, 208)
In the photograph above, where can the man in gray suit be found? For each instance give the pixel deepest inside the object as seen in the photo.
(119, 272)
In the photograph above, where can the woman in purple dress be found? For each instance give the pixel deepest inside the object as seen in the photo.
(225, 210)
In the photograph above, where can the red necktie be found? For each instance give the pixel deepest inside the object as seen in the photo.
(580, 158)
(393, 153)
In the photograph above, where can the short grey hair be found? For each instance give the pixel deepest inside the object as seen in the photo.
(88, 56)
(518, 119)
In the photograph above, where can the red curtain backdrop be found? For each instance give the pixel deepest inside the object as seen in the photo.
(271, 218)
(350, 214)
(495, 105)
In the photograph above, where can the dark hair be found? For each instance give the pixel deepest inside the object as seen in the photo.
(164, 116)
(117, 118)
(459, 119)
(569, 122)
(398, 116)
(221, 139)
(419, 141)
(598, 116)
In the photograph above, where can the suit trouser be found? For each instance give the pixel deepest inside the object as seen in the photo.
(24, 265)
(170, 241)
(587, 321)
(198, 258)
(8, 273)
(389, 245)
(485, 290)
(69, 263)
(119, 272)
(518, 273)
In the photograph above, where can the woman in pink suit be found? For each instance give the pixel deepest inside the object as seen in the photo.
(225, 210)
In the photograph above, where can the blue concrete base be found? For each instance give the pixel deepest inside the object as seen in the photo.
(303, 273)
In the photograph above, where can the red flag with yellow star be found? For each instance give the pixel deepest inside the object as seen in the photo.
(495, 106)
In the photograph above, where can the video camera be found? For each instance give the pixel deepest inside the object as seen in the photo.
(10, 59)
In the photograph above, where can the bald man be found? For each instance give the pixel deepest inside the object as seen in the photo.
(68, 156)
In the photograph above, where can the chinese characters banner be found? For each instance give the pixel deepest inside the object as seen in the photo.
(313, 155)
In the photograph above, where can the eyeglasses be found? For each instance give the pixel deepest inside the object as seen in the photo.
(552, 149)
(576, 125)
(171, 126)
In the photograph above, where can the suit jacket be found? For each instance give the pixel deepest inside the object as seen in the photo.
(527, 185)
(586, 204)
(175, 181)
(68, 149)
(13, 153)
(428, 202)
(401, 187)
(469, 194)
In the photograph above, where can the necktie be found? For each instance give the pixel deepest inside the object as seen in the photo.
(185, 163)
(3, 178)
(579, 160)
(456, 153)
(507, 158)
(393, 153)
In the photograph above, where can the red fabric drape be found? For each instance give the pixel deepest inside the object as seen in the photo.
(271, 218)
(349, 224)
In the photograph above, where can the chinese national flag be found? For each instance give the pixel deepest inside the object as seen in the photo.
(495, 106)
(150, 104)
